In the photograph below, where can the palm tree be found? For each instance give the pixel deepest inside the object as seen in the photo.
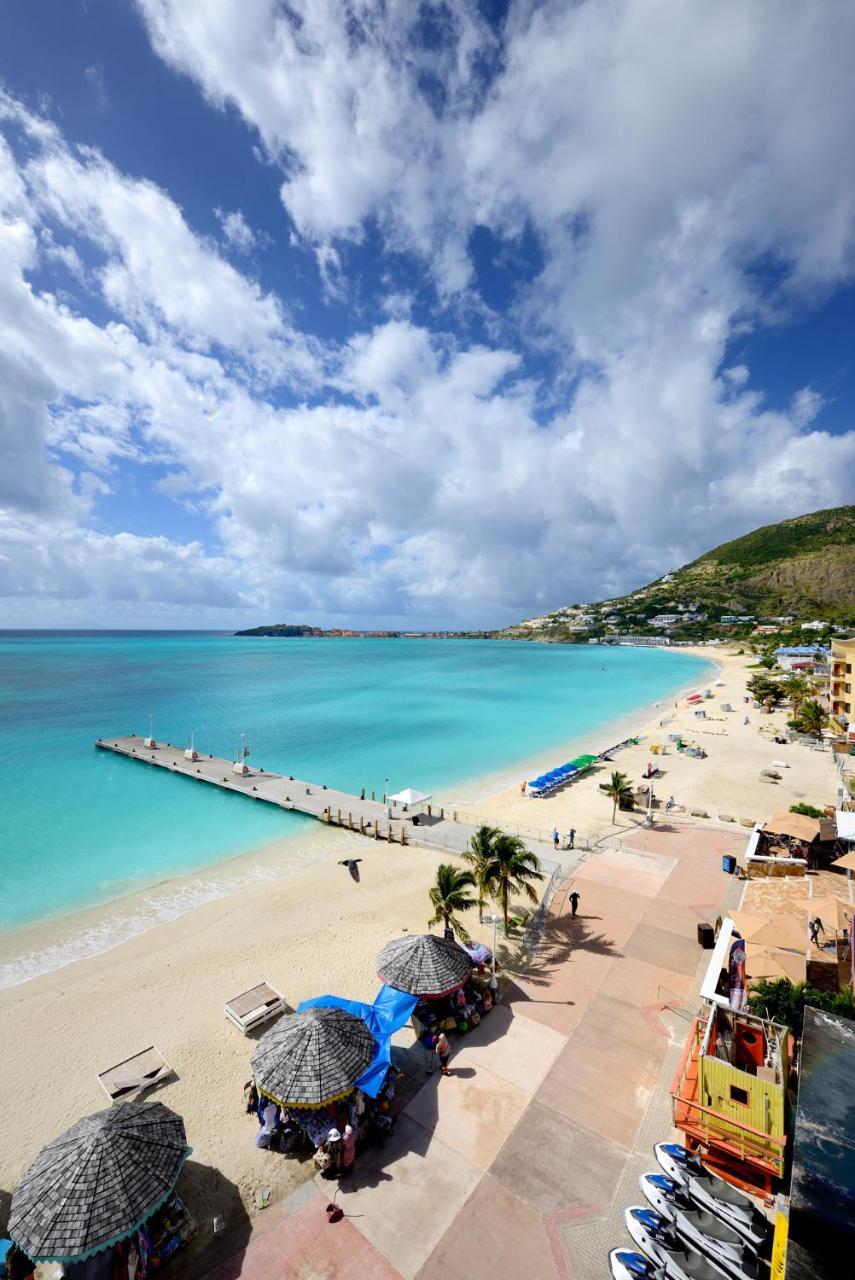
(478, 856)
(810, 718)
(448, 894)
(619, 791)
(511, 868)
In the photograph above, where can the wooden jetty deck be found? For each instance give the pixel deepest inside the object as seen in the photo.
(436, 828)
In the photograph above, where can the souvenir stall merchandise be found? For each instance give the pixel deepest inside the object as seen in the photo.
(459, 1012)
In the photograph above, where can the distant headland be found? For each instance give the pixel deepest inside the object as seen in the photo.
(290, 630)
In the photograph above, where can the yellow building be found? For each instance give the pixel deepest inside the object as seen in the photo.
(729, 1093)
(843, 682)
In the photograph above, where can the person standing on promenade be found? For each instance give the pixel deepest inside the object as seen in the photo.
(556, 839)
(442, 1049)
(571, 838)
(574, 902)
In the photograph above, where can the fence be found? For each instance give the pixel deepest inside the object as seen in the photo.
(533, 936)
(542, 834)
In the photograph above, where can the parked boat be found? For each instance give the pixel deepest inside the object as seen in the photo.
(658, 1238)
(713, 1194)
(700, 1228)
(626, 1264)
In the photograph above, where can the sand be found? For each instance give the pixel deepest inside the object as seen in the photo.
(309, 932)
(727, 785)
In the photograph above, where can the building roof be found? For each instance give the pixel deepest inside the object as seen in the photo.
(822, 1197)
(801, 650)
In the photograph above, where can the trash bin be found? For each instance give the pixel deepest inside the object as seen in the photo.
(728, 863)
(706, 936)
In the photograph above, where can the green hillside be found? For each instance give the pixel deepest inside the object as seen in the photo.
(802, 569)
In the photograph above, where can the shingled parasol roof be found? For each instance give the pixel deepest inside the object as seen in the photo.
(424, 964)
(310, 1058)
(98, 1182)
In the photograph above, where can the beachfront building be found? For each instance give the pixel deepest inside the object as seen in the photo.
(729, 1094)
(843, 683)
(801, 657)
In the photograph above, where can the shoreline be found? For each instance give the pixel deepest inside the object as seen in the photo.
(52, 943)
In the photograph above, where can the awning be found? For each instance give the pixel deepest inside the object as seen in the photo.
(410, 797)
(845, 825)
(795, 825)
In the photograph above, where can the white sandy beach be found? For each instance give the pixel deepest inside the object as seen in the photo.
(726, 785)
(310, 932)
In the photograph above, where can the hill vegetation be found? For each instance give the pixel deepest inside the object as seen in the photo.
(782, 575)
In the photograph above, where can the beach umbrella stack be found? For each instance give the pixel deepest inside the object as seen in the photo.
(311, 1058)
(98, 1182)
(424, 964)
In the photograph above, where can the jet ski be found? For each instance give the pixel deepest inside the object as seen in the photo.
(713, 1194)
(699, 1228)
(626, 1264)
(659, 1240)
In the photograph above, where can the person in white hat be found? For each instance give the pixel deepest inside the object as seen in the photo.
(333, 1146)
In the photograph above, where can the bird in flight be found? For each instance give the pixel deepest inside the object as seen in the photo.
(350, 863)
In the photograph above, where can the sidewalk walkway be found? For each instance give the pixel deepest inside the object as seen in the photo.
(522, 1161)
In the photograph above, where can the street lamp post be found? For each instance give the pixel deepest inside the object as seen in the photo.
(494, 919)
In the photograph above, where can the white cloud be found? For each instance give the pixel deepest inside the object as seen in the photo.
(655, 154)
(238, 233)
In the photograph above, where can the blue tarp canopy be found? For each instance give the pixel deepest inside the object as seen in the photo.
(390, 1010)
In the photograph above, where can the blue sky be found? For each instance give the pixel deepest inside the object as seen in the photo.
(412, 315)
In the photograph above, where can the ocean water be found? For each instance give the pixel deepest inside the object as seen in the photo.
(79, 826)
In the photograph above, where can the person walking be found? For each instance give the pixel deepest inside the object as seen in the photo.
(522, 788)
(556, 839)
(816, 927)
(670, 804)
(571, 838)
(574, 902)
(443, 1050)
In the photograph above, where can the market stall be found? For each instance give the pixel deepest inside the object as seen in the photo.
(103, 1193)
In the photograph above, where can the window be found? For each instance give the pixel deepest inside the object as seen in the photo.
(739, 1095)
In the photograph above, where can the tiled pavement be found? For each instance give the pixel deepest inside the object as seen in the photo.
(523, 1161)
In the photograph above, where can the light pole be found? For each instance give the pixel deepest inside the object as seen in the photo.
(385, 788)
(494, 919)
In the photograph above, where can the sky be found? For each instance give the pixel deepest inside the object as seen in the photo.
(413, 315)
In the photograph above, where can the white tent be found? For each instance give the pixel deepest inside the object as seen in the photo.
(409, 797)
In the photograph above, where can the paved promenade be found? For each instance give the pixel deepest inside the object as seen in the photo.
(522, 1161)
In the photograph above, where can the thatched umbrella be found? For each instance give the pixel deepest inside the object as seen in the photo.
(424, 964)
(98, 1182)
(313, 1057)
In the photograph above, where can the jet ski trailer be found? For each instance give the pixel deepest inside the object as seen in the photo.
(712, 1193)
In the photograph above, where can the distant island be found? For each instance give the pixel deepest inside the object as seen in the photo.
(289, 630)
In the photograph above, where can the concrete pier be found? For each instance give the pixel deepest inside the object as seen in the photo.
(437, 830)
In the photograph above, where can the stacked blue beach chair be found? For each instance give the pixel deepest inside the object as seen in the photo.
(551, 781)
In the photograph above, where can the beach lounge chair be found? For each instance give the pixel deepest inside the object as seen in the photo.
(142, 1071)
(253, 1007)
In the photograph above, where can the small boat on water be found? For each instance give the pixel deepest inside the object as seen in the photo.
(658, 1238)
(713, 1194)
(700, 1228)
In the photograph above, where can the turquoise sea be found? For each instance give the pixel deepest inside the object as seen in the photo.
(80, 826)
